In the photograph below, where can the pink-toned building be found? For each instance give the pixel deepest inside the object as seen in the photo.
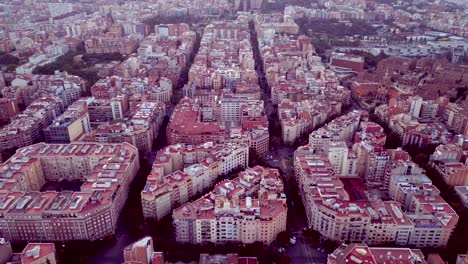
(362, 253)
(435, 258)
(8, 110)
(142, 252)
(89, 214)
(187, 127)
(341, 128)
(171, 30)
(27, 127)
(349, 61)
(39, 253)
(453, 173)
(195, 123)
(181, 172)
(152, 89)
(246, 209)
(300, 118)
(102, 111)
(68, 88)
(110, 44)
(71, 125)
(140, 130)
(340, 209)
(370, 132)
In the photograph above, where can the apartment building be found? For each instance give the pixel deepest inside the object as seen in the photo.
(141, 252)
(401, 117)
(8, 110)
(462, 192)
(462, 259)
(159, 90)
(449, 152)
(259, 140)
(27, 127)
(453, 173)
(299, 118)
(105, 110)
(68, 88)
(23, 95)
(338, 155)
(400, 165)
(171, 30)
(456, 118)
(71, 125)
(253, 115)
(231, 258)
(243, 118)
(331, 140)
(237, 108)
(421, 219)
(89, 214)
(446, 160)
(341, 128)
(246, 209)
(140, 130)
(373, 159)
(110, 43)
(180, 172)
(231, 108)
(186, 125)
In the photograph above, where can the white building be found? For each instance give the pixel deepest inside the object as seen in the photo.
(416, 104)
(338, 156)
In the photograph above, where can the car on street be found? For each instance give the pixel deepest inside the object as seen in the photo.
(292, 240)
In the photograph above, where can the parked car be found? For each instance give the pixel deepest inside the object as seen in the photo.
(292, 240)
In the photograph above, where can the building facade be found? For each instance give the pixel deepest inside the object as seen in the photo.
(89, 214)
(249, 208)
(181, 172)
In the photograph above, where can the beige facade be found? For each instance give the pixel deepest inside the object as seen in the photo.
(72, 124)
(183, 171)
(249, 208)
(88, 214)
(418, 216)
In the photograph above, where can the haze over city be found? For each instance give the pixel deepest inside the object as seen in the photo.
(233, 131)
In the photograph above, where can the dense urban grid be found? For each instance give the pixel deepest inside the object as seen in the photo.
(234, 131)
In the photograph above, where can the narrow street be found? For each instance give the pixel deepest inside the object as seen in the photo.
(131, 225)
(281, 157)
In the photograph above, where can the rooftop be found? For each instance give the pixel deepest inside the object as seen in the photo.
(35, 252)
